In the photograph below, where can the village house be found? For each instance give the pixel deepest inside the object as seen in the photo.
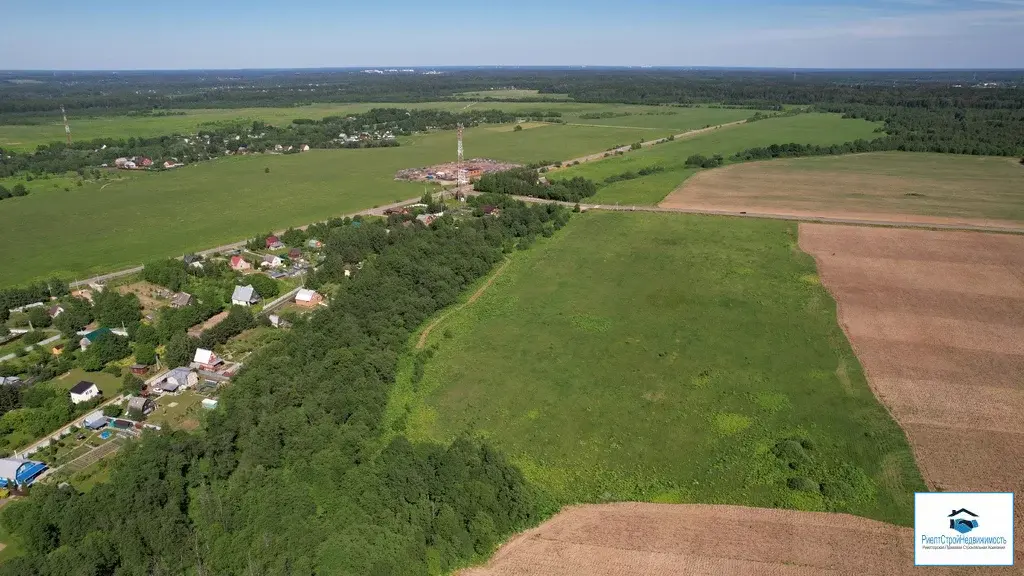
(271, 261)
(193, 260)
(239, 264)
(95, 420)
(274, 243)
(181, 299)
(55, 311)
(177, 379)
(139, 407)
(315, 244)
(295, 254)
(91, 337)
(139, 369)
(244, 296)
(83, 392)
(308, 298)
(206, 360)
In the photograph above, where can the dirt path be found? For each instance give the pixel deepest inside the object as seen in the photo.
(422, 341)
(636, 539)
(680, 136)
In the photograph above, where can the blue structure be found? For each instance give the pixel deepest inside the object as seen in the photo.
(19, 472)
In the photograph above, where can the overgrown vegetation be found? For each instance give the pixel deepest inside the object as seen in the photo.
(290, 476)
(526, 182)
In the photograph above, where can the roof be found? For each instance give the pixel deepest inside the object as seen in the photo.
(190, 258)
(271, 258)
(81, 387)
(244, 294)
(55, 310)
(179, 374)
(94, 417)
(137, 403)
(181, 299)
(204, 356)
(9, 467)
(305, 295)
(92, 336)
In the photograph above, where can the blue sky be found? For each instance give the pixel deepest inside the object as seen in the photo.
(100, 34)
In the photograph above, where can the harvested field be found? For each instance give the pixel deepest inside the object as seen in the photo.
(633, 539)
(937, 320)
(890, 186)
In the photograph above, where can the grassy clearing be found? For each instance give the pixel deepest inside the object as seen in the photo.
(108, 384)
(890, 182)
(511, 94)
(804, 129)
(664, 358)
(103, 226)
(186, 407)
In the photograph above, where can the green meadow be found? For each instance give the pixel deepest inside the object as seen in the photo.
(803, 129)
(75, 231)
(665, 358)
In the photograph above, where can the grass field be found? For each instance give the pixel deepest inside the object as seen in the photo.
(108, 384)
(665, 358)
(804, 129)
(885, 183)
(99, 227)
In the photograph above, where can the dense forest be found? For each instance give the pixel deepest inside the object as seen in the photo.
(376, 128)
(527, 182)
(295, 474)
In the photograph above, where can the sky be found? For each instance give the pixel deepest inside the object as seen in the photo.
(229, 34)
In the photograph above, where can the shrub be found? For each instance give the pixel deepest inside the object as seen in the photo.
(33, 337)
(802, 484)
(112, 411)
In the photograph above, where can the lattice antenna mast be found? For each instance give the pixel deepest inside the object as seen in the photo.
(459, 171)
(67, 127)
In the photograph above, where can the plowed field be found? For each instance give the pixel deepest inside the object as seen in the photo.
(633, 539)
(885, 187)
(937, 320)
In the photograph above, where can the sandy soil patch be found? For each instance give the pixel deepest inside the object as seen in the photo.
(937, 320)
(151, 296)
(634, 539)
(783, 187)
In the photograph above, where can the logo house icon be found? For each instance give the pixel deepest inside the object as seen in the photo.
(963, 520)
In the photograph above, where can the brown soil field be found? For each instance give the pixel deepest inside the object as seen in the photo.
(937, 320)
(635, 539)
(885, 187)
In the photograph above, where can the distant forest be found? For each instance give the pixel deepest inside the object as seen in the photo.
(941, 111)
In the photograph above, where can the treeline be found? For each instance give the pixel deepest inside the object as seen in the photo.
(630, 175)
(294, 473)
(15, 192)
(18, 297)
(701, 161)
(527, 182)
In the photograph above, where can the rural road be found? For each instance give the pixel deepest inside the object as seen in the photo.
(379, 211)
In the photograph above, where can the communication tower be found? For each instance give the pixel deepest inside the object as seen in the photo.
(67, 127)
(460, 171)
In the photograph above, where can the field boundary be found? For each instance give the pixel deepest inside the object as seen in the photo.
(421, 342)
